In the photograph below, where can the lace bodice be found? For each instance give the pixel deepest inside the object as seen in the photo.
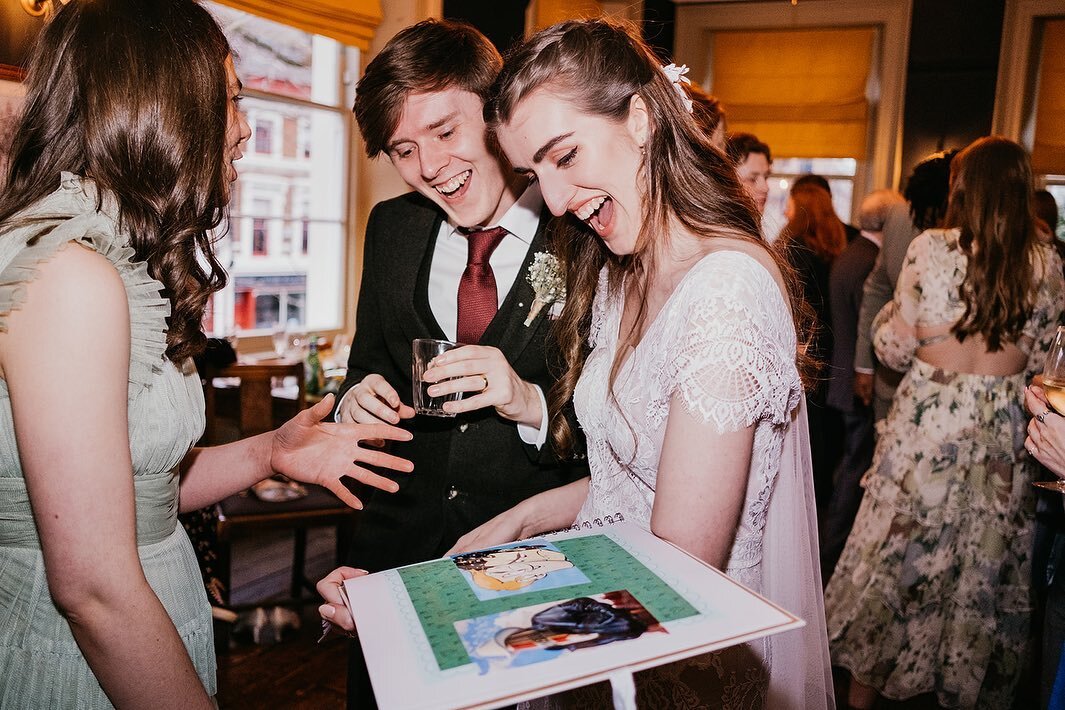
(725, 343)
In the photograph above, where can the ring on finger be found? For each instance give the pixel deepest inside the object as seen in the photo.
(485, 378)
(1042, 417)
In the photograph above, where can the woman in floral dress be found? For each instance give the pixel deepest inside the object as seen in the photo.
(931, 593)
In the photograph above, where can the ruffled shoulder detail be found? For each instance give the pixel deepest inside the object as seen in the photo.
(74, 213)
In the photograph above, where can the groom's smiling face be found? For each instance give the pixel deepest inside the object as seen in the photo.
(439, 148)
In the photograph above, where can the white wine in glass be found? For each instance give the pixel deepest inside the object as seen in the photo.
(1054, 387)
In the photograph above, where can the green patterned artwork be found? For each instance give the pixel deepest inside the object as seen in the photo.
(441, 595)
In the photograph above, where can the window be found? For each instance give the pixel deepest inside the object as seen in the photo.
(1055, 185)
(264, 137)
(258, 237)
(285, 251)
(872, 94)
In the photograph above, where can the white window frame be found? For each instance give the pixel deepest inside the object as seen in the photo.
(1017, 69)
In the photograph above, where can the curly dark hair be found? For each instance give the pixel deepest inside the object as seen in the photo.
(928, 188)
(991, 188)
(133, 94)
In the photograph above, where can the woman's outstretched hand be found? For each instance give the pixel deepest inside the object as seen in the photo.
(310, 450)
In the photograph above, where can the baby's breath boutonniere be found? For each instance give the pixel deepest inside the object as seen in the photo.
(545, 275)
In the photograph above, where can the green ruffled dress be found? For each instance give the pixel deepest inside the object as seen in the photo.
(40, 664)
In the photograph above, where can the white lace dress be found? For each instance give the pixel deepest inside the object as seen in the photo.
(725, 343)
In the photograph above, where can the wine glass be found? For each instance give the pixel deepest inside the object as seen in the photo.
(1054, 387)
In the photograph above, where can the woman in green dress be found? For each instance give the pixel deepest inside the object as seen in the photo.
(119, 168)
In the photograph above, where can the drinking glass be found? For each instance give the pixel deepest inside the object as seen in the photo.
(1054, 387)
(424, 350)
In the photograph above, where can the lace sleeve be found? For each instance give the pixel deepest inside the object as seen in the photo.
(894, 336)
(734, 362)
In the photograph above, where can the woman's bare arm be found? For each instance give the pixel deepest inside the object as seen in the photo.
(65, 357)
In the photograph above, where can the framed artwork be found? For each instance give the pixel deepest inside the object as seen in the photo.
(523, 620)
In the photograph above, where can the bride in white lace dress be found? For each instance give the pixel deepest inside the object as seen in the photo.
(680, 349)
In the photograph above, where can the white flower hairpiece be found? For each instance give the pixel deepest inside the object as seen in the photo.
(549, 286)
(676, 77)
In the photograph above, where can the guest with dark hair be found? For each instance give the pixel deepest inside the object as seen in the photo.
(120, 168)
(931, 593)
(926, 196)
(1046, 211)
(753, 163)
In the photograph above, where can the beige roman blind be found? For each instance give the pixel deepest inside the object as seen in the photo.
(352, 22)
(1048, 149)
(547, 12)
(801, 91)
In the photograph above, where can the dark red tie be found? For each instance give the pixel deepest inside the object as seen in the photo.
(478, 300)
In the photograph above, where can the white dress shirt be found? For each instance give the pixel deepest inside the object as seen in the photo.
(449, 261)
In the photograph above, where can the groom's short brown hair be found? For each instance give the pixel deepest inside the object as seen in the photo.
(433, 55)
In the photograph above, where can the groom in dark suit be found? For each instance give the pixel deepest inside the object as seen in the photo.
(449, 260)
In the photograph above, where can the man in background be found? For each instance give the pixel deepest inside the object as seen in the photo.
(926, 192)
(753, 165)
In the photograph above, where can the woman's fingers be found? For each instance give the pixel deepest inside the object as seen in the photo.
(337, 487)
(1035, 400)
(372, 479)
(380, 459)
(338, 615)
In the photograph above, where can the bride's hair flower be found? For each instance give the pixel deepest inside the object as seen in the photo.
(676, 76)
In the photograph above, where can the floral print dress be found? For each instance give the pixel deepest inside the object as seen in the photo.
(931, 594)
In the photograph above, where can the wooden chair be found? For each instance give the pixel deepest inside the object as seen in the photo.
(250, 408)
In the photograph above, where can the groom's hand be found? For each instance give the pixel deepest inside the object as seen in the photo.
(373, 401)
(483, 372)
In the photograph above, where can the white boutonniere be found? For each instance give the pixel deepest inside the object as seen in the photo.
(545, 275)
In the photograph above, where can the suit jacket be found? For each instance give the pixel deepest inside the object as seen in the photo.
(469, 468)
(880, 285)
(845, 287)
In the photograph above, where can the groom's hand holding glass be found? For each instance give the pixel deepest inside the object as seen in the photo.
(485, 377)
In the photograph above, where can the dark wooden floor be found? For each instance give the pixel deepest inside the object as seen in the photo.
(295, 672)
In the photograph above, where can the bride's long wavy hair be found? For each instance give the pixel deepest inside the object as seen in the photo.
(598, 66)
(133, 94)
